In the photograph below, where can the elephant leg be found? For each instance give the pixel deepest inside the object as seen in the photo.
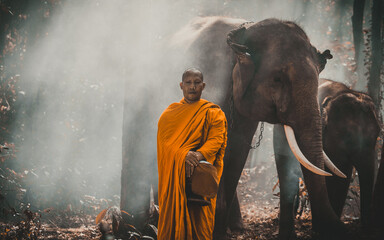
(366, 168)
(288, 170)
(240, 135)
(324, 220)
(235, 220)
(338, 189)
(219, 231)
(289, 187)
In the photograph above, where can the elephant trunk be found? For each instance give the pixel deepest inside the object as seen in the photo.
(309, 139)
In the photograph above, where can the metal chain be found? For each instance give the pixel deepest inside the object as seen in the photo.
(260, 137)
(231, 114)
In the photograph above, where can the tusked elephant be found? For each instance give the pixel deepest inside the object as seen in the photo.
(350, 130)
(264, 71)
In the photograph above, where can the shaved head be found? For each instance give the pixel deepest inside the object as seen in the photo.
(192, 71)
(192, 85)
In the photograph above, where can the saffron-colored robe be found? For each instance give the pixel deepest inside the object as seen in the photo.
(199, 126)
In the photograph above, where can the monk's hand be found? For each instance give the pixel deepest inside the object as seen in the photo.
(199, 156)
(191, 162)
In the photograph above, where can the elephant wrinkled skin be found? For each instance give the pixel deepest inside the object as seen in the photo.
(350, 130)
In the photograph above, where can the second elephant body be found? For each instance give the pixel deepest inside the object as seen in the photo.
(350, 130)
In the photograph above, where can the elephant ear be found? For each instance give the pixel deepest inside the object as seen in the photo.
(324, 111)
(235, 39)
(325, 102)
(243, 74)
(244, 69)
(322, 58)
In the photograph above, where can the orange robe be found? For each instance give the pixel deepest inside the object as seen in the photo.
(182, 127)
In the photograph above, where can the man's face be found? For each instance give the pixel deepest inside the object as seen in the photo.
(192, 87)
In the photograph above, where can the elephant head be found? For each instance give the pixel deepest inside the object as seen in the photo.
(275, 79)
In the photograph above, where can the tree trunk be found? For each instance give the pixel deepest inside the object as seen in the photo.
(5, 18)
(358, 40)
(138, 166)
(378, 196)
(340, 12)
(374, 83)
(374, 87)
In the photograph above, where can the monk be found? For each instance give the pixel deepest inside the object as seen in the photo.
(189, 131)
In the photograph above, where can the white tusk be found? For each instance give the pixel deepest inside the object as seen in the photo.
(332, 166)
(299, 155)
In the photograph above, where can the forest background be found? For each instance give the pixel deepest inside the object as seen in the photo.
(65, 67)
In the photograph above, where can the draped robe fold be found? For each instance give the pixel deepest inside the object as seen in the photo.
(199, 126)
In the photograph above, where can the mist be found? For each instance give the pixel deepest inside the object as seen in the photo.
(96, 55)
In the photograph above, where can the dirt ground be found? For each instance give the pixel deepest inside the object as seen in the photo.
(259, 207)
(260, 210)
